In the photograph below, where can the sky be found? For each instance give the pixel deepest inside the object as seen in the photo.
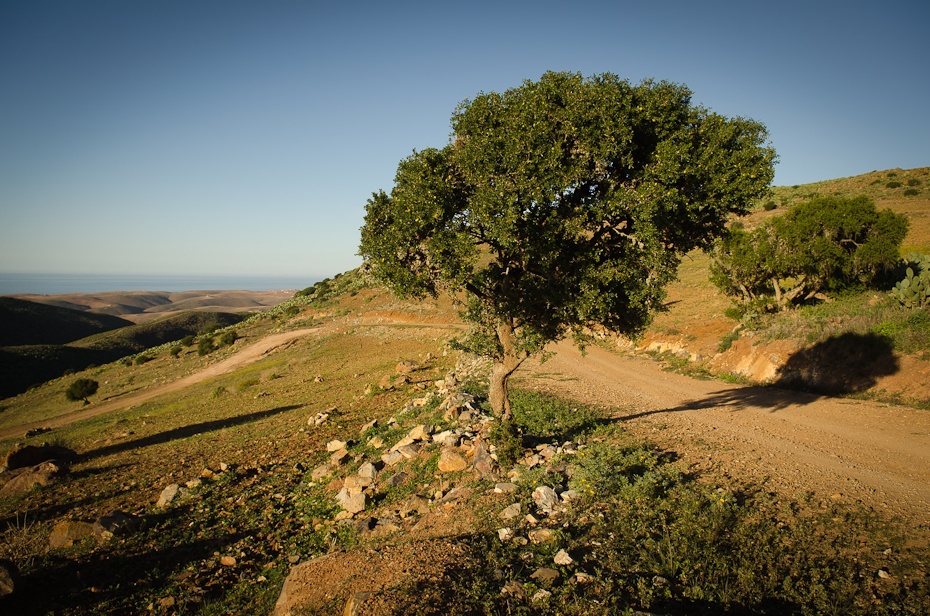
(244, 138)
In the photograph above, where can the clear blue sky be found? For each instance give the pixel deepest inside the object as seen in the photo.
(231, 137)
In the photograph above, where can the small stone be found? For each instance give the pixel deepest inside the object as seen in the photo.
(511, 512)
(9, 578)
(335, 445)
(513, 588)
(545, 498)
(541, 595)
(883, 574)
(167, 495)
(371, 424)
(397, 479)
(365, 525)
(318, 379)
(353, 503)
(406, 367)
(505, 534)
(562, 558)
(410, 451)
(545, 575)
(340, 457)
(115, 523)
(414, 504)
(368, 471)
(392, 458)
(166, 602)
(355, 484)
(68, 532)
(322, 471)
(421, 433)
(659, 582)
(483, 463)
(207, 474)
(505, 488)
(583, 578)
(450, 461)
(293, 559)
(568, 496)
(194, 483)
(540, 535)
(376, 442)
(354, 604)
(228, 561)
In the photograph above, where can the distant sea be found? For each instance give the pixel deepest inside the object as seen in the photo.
(56, 284)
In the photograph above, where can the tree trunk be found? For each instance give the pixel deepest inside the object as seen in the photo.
(499, 390)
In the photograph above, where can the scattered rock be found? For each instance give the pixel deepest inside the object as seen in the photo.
(318, 419)
(540, 535)
(505, 488)
(546, 499)
(397, 479)
(545, 575)
(371, 424)
(24, 479)
(568, 496)
(9, 578)
(883, 574)
(421, 433)
(505, 534)
(37, 431)
(228, 561)
(414, 504)
(562, 558)
(376, 442)
(483, 463)
(368, 471)
(392, 458)
(318, 379)
(541, 596)
(68, 532)
(583, 578)
(354, 484)
(511, 512)
(352, 503)
(166, 602)
(168, 494)
(450, 461)
(365, 525)
(659, 582)
(322, 471)
(336, 445)
(514, 589)
(340, 457)
(406, 367)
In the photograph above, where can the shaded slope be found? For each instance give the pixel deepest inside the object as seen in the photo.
(23, 322)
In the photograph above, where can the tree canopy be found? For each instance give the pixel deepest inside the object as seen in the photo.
(824, 244)
(562, 204)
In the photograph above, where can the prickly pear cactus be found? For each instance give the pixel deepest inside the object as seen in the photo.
(914, 290)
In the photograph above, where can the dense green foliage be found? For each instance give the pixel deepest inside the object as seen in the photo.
(81, 389)
(561, 204)
(825, 244)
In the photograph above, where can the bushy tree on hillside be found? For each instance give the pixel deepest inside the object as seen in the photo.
(561, 204)
(81, 389)
(827, 243)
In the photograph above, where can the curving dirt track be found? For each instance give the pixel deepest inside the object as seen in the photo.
(247, 355)
(840, 449)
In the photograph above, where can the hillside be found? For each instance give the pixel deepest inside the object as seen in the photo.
(24, 322)
(338, 457)
(246, 440)
(24, 366)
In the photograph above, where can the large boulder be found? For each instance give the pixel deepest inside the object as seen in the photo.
(22, 480)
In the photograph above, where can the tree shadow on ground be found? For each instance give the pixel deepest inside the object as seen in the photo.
(840, 365)
(183, 432)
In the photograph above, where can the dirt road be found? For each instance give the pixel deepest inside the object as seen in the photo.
(247, 355)
(841, 449)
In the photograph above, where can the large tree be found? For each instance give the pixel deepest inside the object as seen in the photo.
(562, 204)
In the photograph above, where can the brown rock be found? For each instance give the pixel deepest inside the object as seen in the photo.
(168, 494)
(115, 523)
(450, 461)
(545, 575)
(9, 578)
(406, 367)
(355, 603)
(68, 532)
(25, 479)
(414, 504)
(228, 561)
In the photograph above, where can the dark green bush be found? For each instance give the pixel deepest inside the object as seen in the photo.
(893, 184)
(910, 192)
(205, 346)
(913, 182)
(187, 341)
(176, 350)
(81, 389)
(227, 338)
(141, 359)
(769, 206)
